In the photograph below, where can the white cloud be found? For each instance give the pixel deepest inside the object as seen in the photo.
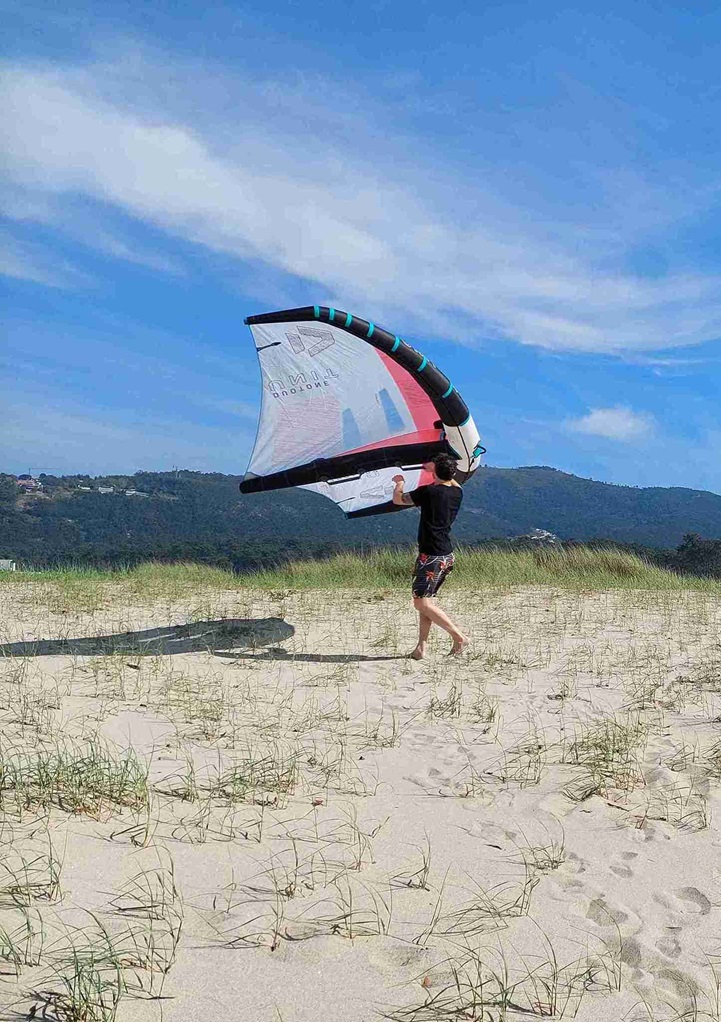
(373, 237)
(617, 423)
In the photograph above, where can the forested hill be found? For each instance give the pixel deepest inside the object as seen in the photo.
(192, 515)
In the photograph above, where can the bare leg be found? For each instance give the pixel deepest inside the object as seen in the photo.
(424, 627)
(426, 607)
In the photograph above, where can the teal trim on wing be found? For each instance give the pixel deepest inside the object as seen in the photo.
(465, 421)
(348, 319)
(448, 392)
(396, 344)
(331, 315)
(422, 366)
(371, 328)
(316, 311)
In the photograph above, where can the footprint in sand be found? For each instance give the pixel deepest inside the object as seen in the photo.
(697, 902)
(574, 863)
(599, 911)
(625, 872)
(622, 869)
(685, 901)
(681, 986)
(669, 943)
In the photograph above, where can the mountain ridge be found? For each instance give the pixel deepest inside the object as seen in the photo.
(188, 514)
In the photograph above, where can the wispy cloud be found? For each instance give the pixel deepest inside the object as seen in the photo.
(29, 262)
(66, 437)
(374, 236)
(617, 423)
(117, 248)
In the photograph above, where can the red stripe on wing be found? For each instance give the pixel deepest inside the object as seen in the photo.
(419, 404)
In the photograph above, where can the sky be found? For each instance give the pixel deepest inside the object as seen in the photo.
(528, 193)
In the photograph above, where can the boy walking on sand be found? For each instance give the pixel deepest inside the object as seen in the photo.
(439, 502)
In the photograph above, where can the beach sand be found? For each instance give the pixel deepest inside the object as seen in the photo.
(331, 831)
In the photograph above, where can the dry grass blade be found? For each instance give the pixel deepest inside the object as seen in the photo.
(546, 856)
(415, 874)
(22, 945)
(150, 893)
(474, 990)
(30, 876)
(490, 909)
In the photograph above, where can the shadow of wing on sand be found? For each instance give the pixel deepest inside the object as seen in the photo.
(310, 658)
(198, 637)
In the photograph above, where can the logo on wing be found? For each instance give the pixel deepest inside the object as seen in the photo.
(300, 383)
(311, 340)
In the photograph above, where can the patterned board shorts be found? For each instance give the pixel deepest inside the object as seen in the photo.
(430, 573)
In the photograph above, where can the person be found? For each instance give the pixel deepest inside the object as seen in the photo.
(439, 503)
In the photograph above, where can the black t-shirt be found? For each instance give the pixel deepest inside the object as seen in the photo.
(439, 506)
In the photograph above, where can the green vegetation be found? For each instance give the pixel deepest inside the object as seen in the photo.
(579, 568)
(77, 777)
(202, 518)
(574, 568)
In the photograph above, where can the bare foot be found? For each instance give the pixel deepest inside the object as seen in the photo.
(460, 645)
(417, 654)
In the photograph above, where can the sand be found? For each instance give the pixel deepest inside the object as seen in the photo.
(336, 832)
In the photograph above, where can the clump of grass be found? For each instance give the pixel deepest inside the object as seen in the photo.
(523, 763)
(88, 993)
(248, 924)
(30, 876)
(146, 950)
(265, 777)
(290, 876)
(29, 708)
(610, 749)
(348, 908)
(477, 990)
(415, 874)
(682, 806)
(707, 674)
(362, 910)
(483, 709)
(544, 856)
(490, 909)
(481, 986)
(700, 1004)
(380, 733)
(78, 589)
(141, 954)
(448, 705)
(77, 776)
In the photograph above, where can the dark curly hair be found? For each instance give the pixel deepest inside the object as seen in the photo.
(446, 466)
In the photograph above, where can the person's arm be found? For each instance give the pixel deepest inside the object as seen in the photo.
(399, 497)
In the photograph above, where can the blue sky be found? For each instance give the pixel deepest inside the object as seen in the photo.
(528, 193)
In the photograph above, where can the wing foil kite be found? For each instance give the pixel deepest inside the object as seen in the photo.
(346, 406)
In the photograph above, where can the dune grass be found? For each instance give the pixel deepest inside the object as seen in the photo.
(574, 568)
(578, 568)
